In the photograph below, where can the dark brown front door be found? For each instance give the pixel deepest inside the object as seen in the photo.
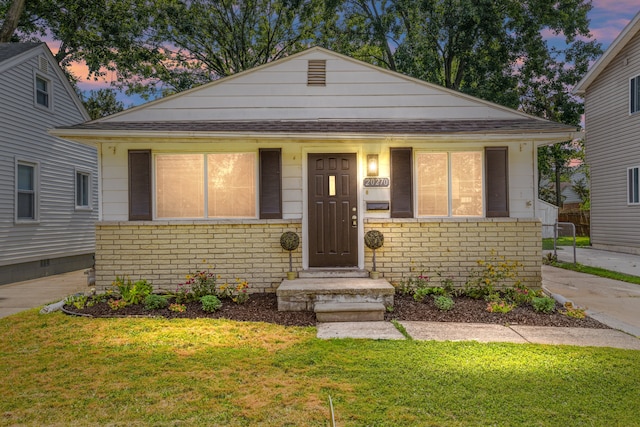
(333, 215)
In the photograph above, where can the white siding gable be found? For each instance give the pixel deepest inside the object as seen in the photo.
(61, 229)
(354, 90)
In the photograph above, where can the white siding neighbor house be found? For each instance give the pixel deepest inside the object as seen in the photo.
(48, 186)
(611, 91)
(327, 147)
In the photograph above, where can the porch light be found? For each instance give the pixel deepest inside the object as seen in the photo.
(372, 165)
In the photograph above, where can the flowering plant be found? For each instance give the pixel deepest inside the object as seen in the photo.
(117, 304)
(499, 307)
(178, 308)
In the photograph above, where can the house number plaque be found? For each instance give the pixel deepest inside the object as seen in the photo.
(376, 182)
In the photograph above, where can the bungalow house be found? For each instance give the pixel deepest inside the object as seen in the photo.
(611, 91)
(327, 147)
(48, 186)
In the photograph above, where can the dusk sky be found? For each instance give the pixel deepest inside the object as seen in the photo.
(608, 19)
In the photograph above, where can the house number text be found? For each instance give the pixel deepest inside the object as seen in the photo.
(376, 182)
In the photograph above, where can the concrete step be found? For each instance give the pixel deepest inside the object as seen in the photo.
(349, 312)
(327, 273)
(304, 294)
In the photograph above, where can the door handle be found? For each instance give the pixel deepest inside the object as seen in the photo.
(354, 221)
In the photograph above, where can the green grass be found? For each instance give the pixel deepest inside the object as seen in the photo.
(596, 271)
(547, 244)
(60, 370)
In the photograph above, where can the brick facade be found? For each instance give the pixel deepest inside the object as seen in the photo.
(165, 252)
(452, 247)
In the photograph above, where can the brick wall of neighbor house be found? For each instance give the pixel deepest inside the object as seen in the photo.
(165, 252)
(452, 247)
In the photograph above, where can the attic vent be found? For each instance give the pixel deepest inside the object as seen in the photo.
(43, 64)
(317, 72)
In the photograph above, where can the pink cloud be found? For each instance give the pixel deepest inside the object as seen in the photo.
(617, 7)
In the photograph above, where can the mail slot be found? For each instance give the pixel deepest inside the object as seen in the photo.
(377, 206)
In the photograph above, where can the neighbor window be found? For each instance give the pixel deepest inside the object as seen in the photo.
(26, 187)
(449, 184)
(206, 185)
(43, 92)
(633, 197)
(83, 189)
(634, 94)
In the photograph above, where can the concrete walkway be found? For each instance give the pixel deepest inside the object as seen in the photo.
(20, 296)
(481, 332)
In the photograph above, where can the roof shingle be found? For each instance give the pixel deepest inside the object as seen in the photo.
(334, 127)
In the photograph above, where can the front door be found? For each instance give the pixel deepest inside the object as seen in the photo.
(333, 212)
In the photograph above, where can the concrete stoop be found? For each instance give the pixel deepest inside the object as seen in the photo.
(349, 312)
(337, 298)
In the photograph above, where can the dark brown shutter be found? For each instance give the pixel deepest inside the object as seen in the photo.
(497, 185)
(401, 183)
(270, 183)
(140, 185)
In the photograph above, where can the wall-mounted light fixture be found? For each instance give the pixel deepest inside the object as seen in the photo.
(372, 165)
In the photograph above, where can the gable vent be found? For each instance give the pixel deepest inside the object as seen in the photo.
(43, 64)
(317, 72)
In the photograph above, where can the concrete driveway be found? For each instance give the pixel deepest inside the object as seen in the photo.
(20, 296)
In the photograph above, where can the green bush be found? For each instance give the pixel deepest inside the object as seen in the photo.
(443, 302)
(78, 301)
(490, 276)
(421, 293)
(155, 302)
(543, 304)
(133, 292)
(210, 303)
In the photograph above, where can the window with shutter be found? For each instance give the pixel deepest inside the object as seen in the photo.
(401, 182)
(140, 185)
(270, 183)
(497, 184)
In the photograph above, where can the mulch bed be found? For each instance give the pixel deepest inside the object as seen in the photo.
(468, 310)
(264, 308)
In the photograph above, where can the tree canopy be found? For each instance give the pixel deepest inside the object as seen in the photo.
(493, 49)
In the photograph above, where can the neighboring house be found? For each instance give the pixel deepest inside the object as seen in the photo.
(611, 91)
(48, 186)
(326, 146)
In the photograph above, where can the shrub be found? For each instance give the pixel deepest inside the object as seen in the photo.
(210, 303)
(543, 304)
(412, 284)
(178, 308)
(241, 295)
(132, 292)
(117, 304)
(500, 306)
(78, 301)
(491, 275)
(575, 312)
(202, 283)
(421, 293)
(443, 302)
(155, 302)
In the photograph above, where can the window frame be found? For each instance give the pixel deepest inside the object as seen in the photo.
(49, 91)
(417, 153)
(633, 186)
(205, 154)
(634, 95)
(35, 191)
(88, 175)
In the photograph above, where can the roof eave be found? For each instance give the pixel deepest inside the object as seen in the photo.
(609, 55)
(99, 136)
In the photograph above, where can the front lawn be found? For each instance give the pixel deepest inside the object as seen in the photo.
(61, 370)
